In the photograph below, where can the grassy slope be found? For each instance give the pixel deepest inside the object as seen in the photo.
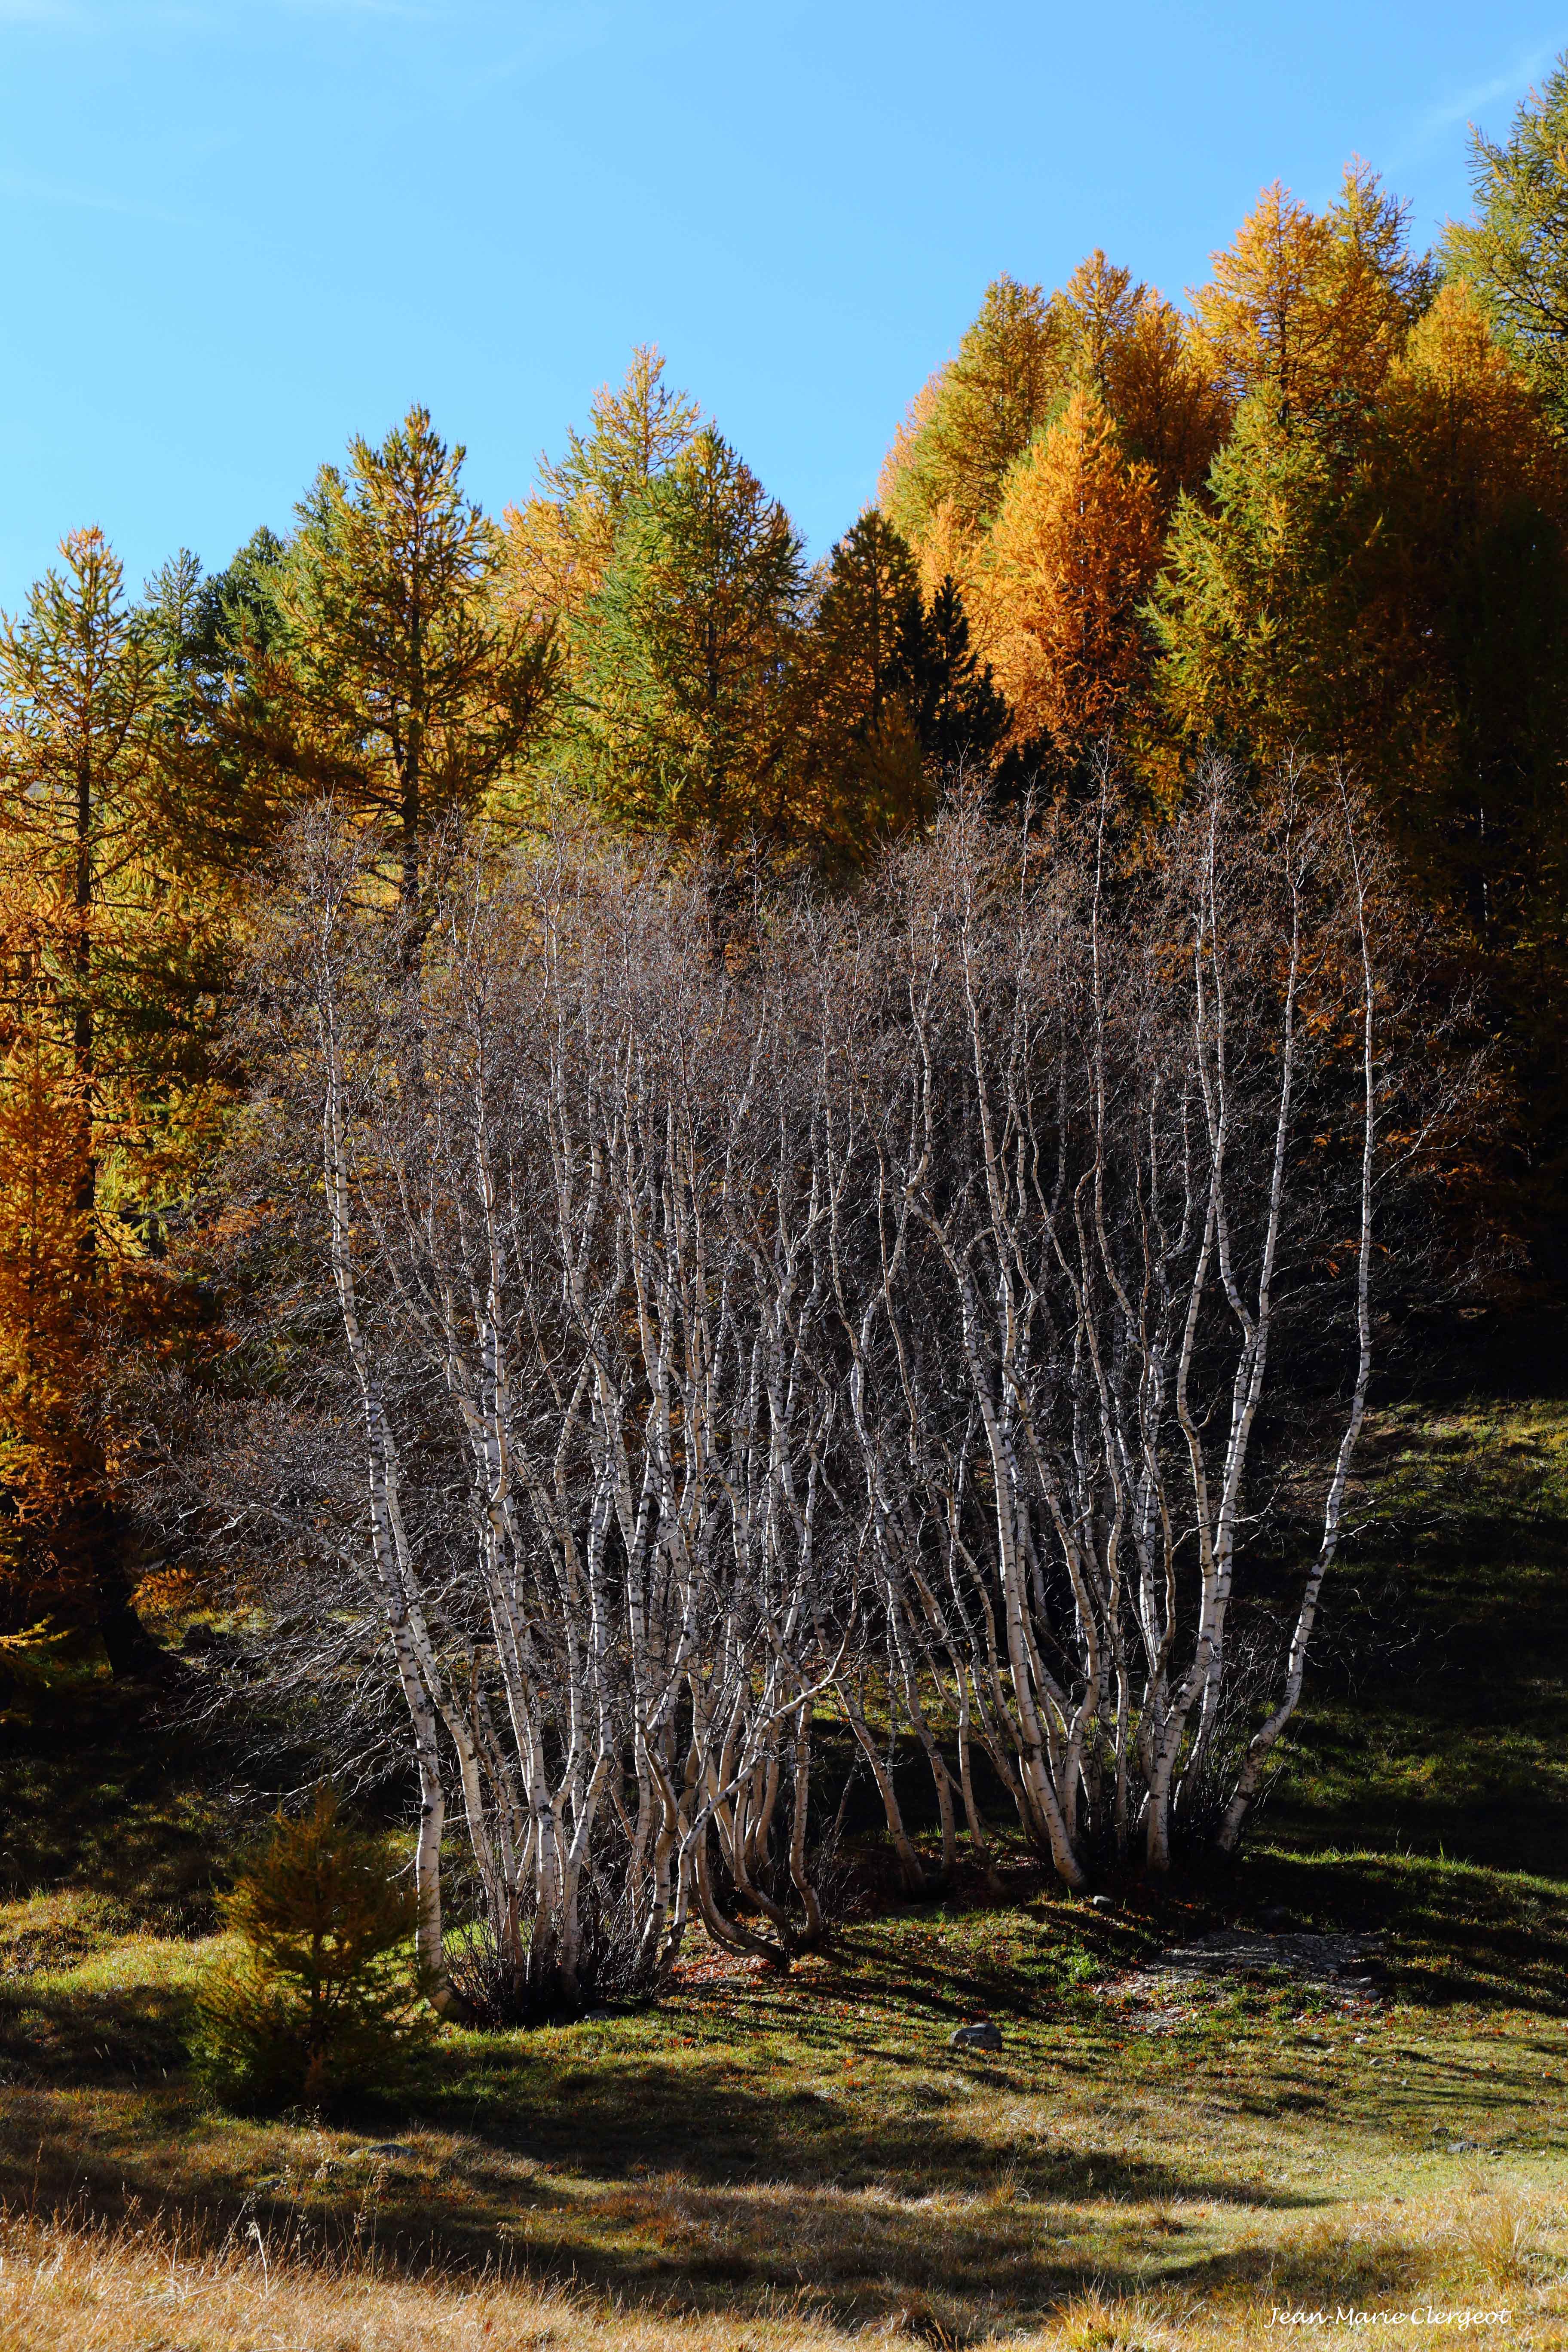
(815, 2148)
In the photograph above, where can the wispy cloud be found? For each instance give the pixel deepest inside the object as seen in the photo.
(31, 187)
(42, 12)
(1508, 83)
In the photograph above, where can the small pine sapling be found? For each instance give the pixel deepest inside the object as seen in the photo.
(320, 1998)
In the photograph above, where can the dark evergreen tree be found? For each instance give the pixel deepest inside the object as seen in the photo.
(958, 713)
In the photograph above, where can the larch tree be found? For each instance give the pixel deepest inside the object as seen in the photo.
(1514, 249)
(1400, 612)
(679, 660)
(394, 677)
(1249, 611)
(977, 414)
(1138, 353)
(1113, 382)
(1458, 706)
(1313, 305)
(110, 970)
(1068, 567)
(48, 1467)
(559, 543)
(944, 479)
(81, 689)
(634, 434)
(1257, 613)
(1404, 609)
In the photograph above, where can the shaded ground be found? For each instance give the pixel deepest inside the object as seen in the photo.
(1433, 1720)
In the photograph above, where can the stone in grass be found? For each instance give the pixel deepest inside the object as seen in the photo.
(983, 2036)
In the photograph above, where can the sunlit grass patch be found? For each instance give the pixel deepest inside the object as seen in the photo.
(142, 2285)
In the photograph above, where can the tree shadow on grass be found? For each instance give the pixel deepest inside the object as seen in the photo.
(123, 1792)
(649, 2181)
(1456, 1933)
(67, 2035)
(630, 2114)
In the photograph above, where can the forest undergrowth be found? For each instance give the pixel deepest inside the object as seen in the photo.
(1145, 2162)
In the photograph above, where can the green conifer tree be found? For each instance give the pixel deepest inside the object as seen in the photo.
(320, 1998)
(372, 659)
(680, 659)
(1514, 249)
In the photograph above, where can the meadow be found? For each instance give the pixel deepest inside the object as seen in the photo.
(767, 2161)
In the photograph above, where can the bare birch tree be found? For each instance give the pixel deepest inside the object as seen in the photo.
(1131, 1128)
(577, 1281)
(901, 1321)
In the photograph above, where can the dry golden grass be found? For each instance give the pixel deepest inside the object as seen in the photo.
(73, 2285)
(806, 2162)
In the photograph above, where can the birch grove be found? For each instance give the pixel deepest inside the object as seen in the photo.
(879, 1332)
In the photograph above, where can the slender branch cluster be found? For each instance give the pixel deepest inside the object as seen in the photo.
(878, 1320)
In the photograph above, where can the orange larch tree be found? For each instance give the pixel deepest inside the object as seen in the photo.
(1315, 306)
(110, 966)
(1067, 569)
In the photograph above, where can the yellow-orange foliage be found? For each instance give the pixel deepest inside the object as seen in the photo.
(976, 415)
(47, 1256)
(949, 548)
(1137, 352)
(1100, 332)
(1173, 411)
(903, 451)
(557, 545)
(105, 1098)
(1458, 390)
(1067, 568)
(553, 560)
(1315, 304)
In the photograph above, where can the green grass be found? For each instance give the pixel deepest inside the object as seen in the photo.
(752, 2137)
(1436, 1727)
(752, 2141)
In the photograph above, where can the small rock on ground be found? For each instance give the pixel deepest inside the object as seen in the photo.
(983, 2036)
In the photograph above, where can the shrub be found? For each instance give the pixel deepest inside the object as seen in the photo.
(502, 1984)
(320, 1998)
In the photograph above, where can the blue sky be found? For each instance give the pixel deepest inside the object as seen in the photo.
(236, 231)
